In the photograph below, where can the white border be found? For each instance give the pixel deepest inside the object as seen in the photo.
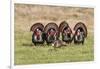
(12, 36)
(73, 3)
(77, 3)
(4, 34)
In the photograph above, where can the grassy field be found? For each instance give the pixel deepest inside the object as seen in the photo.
(27, 53)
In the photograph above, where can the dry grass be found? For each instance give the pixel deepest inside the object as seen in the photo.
(27, 15)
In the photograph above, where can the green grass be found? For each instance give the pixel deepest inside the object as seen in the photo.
(27, 53)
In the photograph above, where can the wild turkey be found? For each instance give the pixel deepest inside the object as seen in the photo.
(38, 33)
(58, 44)
(52, 32)
(80, 33)
(66, 32)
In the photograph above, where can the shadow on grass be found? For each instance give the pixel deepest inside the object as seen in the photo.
(30, 45)
(27, 45)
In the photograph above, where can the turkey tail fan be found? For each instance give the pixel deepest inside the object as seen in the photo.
(62, 25)
(48, 30)
(38, 33)
(82, 27)
(80, 33)
(37, 25)
(66, 32)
